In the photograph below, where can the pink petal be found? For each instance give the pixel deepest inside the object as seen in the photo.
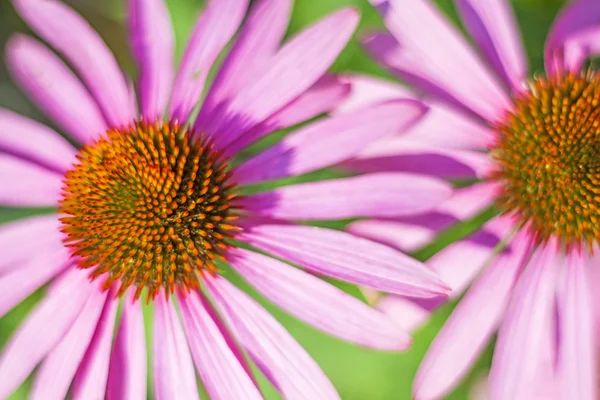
(222, 374)
(295, 372)
(27, 185)
(346, 257)
(574, 36)
(54, 88)
(466, 333)
(578, 347)
(32, 141)
(288, 74)
(317, 302)
(127, 371)
(493, 26)
(520, 348)
(43, 329)
(75, 39)
(367, 91)
(215, 27)
(152, 41)
(431, 50)
(92, 374)
(174, 376)
(404, 312)
(371, 195)
(329, 141)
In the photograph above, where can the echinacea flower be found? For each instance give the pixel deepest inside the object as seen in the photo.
(530, 145)
(151, 200)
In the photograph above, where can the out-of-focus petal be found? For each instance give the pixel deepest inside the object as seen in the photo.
(367, 91)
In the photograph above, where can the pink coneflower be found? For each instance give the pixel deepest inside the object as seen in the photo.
(152, 200)
(532, 147)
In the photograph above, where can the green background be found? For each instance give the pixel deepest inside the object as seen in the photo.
(356, 372)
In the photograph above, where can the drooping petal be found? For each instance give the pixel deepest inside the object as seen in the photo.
(174, 376)
(74, 38)
(217, 364)
(577, 350)
(471, 325)
(317, 302)
(329, 141)
(520, 356)
(35, 142)
(493, 26)
(215, 27)
(42, 330)
(371, 195)
(92, 374)
(27, 185)
(347, 257)
(152, 41)
(56, 372)
(296, 374)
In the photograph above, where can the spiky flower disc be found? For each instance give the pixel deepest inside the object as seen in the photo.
(148, 205)
(549, 158)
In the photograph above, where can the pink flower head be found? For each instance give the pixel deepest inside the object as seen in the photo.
(154, 198)
(531, 149)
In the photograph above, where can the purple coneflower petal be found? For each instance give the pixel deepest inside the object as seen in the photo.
(53, 86)
(370, 195)
(295, 373)
(50, 150)
(27, 185)
(152, 41)
(217, 364)
(521, 348)
(329, 141)
(405, 312)
(92, 373)
(574, 37)
(471, 325)
(74, 38)
(346, 257)
(174, 376)
(367, 90)
(215, 27)
(493, 26)
(578, 353)
(433, 52)
(43, 329)
(317, 302)
(54, 376)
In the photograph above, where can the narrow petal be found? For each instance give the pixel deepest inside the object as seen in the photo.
(493, 26)
(404, 312)
(56, 372)
(317, 302)
(330, 141)
(27, 185)
(42, 330)
(215, 27)
(222, 374)
(152, 42)
(297, 375)
(371, 195)
(574, 36)
(471, 325)
(174, 376)
(347, 257)
(74, 38)
(431, 50)
(92, 374)
(520, 346)
(367, 91)
(54, 88)
(578, 355)
(34, 142)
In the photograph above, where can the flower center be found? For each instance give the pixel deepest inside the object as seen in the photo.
(548, 154)
(148, 205)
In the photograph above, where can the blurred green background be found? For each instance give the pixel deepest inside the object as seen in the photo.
(357, 373)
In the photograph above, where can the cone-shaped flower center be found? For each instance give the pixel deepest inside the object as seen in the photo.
(148, 205)
(548, 154)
